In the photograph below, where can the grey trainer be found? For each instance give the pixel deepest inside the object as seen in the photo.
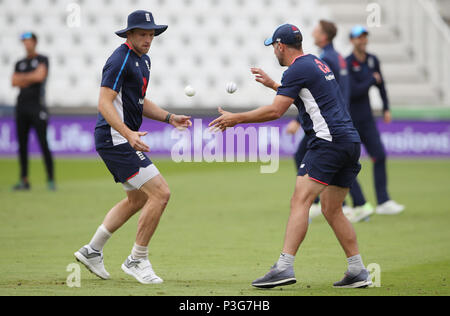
(276, 277)
(361, 280)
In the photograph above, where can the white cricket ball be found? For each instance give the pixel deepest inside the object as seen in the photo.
(231, 87)
(189, 91)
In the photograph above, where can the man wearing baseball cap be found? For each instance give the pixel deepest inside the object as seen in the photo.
(364, 73)
(122, 105)
(331, 163)
(30, 76)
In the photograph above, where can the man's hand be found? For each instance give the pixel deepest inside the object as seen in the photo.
(378, 77)
(293, 127)
(226, 120)
(263, 78)
(180, 121)
(387, 117)
(134, 138)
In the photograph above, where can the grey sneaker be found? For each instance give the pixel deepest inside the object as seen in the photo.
(352, 282)
(275, 277)
(93, 261)
(141, 270)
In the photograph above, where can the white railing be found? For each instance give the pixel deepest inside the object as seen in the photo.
(428, 36)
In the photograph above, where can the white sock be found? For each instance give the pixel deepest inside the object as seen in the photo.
(139, 252)
(285, 261)
(355, 265)
(100, 238)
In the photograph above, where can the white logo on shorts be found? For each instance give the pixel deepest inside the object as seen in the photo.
(302, 166)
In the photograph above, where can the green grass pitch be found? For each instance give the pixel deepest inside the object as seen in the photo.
(223, 228)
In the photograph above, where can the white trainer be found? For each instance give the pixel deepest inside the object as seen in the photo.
(93, 261)
(141, 270)
(359, 213)
(347, 210)
(315, 210)
(389, 208)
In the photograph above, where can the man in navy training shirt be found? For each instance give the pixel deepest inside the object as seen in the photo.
(364, 72)
(122, 105)
(331, 163)
(30, 75)
(323, 34)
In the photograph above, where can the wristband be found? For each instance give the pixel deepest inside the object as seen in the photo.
(168, 118)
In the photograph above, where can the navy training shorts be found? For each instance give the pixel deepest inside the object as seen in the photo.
(126, 164)
(332, 163)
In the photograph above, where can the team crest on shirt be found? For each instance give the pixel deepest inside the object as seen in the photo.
(356, 66)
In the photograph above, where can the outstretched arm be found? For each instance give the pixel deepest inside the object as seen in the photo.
(263, 78)
(263, 114)
(154, 112)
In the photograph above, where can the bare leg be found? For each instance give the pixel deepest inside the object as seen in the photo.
(332, 198)
(158, 194)
(306, 191)
(124, 210)
(282, 273)
(115, 218)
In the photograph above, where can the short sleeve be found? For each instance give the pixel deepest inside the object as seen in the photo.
(16, 67)
(114, 72)
(291, 84)
(44, 60)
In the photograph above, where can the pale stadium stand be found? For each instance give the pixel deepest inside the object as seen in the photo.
(212, 42)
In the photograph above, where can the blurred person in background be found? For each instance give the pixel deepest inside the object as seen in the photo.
(365, 72)
(30, 76)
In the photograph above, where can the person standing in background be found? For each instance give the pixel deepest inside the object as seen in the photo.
(365, 72)
(30, 76)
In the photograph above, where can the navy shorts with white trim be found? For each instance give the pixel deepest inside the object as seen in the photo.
(332, 163)
(123, 161)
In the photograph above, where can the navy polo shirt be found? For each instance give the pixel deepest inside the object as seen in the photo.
(318, 97)
(127, 74)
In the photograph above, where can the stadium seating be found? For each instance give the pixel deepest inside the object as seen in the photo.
(208, 43)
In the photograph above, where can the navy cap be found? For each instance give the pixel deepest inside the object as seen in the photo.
(358, 30)
(141, 19)
(286, 34)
